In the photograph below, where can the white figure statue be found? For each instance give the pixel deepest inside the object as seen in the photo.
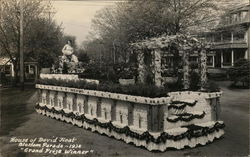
(68, 51)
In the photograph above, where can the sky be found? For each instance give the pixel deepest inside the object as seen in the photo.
(76, 16)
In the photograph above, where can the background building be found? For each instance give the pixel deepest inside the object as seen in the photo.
(7, 72)
(229, 40)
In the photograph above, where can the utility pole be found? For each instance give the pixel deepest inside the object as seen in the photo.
(248, 40)
(21, 47)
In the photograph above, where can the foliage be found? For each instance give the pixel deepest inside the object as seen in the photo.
(194, 80)
(175, 86)
(240, 72)
(42, 37)
(168, 73)
(125, 71)
(44, 42)
(130, 21)
(194, 84)
(83, 56)
(211, 87)
(137, 90)
(4, 80)
(92, 71)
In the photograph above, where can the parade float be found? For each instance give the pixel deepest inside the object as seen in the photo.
(143, 115)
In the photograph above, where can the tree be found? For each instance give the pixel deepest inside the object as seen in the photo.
(240, 72)
(42, 37)
(82, 56)
(44, 42)
(130, 21)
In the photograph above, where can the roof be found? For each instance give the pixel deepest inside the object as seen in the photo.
(4, 60)
(29, 59)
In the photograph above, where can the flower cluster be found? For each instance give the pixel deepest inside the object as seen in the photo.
(136, 89)
(166, 41)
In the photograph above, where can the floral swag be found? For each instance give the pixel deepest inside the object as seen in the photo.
(193, 131)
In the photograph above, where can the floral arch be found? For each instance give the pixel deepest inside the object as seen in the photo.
(182, 45)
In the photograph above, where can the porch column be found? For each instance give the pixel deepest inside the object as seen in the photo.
(36, 72)
(232, 58)
(246, 54)
(232, 37)
(157, 67)
(221, 59)
(213, 61)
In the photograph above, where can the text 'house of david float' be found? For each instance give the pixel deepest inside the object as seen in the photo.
(173, 120)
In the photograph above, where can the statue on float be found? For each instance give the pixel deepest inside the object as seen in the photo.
(68, 51)
(68, 62)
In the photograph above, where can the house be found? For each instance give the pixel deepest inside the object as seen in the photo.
(229, 40)
(6, 67)
(31, 70)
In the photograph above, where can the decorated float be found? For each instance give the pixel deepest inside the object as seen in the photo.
(143, 115)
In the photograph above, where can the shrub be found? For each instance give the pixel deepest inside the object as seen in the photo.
(125, 70)
(177, 86)
(168, 73)
(212, 87)
(240, 72)
(194, 80)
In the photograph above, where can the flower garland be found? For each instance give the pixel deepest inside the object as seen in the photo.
(192, 132)
(186, 117)
(173, 104)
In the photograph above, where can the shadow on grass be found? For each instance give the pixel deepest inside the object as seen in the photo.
(14, 109)
(12, 117)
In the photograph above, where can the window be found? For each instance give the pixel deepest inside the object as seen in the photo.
(210, 60)
(227, 58)
(27, 69)
(193, 59)
(7, 69)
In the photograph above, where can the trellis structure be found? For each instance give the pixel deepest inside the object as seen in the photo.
(184, 44)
